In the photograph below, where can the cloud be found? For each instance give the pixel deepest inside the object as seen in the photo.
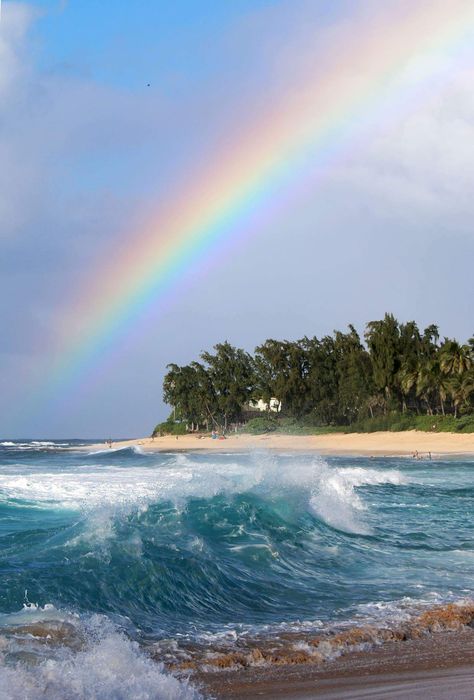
(15, 23)
(83, 159)
(15, 172)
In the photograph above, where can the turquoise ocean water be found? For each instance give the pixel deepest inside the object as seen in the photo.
(106, 555)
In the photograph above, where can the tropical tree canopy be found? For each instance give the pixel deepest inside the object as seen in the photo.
(334, 380)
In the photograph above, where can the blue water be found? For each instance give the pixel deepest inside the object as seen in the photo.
(133, 548)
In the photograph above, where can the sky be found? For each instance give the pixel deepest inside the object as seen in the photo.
(110, 110)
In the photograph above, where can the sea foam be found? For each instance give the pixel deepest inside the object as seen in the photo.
(329, 492)
(336, 500)
(108, 666)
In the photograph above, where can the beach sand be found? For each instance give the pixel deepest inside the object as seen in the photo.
(430, 655)
(439, 667)
(364, 444)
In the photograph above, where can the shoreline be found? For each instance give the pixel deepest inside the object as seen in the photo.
(438, 666)
(378, 444)
(428, 655)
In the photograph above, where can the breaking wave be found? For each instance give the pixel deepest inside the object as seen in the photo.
(329, 493)
(133, 559)
(55, 659)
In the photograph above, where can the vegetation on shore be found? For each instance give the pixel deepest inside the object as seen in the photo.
(393, 422)
(397, 378)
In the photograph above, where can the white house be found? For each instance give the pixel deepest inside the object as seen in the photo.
(274, 405)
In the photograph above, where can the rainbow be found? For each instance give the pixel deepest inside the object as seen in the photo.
(384, 67)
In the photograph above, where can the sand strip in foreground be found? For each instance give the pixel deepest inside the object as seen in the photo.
(439, 666)
(364, 444)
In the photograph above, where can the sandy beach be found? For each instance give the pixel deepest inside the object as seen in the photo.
(364, 444)
(439, 666)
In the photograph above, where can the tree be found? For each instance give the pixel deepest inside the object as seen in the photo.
(231, 374)
(353, 371)
(332, 380)
(281, 371)
(455, 358)
(182, 391)
(383, 340)
(322, 379)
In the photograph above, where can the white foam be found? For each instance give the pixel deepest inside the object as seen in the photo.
(135, 449)
(110, 667)
(330, 492)
(99, 484)
(336, 500)
(41, 445)
(31, 613)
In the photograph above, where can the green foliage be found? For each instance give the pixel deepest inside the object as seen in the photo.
(213, 393)
(231, 375)
(401, 379)
(281, 369)
(392, 422)
(304, 426)
(169, 428)
(383, 341)
(397, 422)
(262, 424)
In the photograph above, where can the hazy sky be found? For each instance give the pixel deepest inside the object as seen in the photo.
(105, 106)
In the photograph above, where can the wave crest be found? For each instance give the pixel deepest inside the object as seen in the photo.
(336, 501)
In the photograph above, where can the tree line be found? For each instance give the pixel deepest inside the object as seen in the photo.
(334, 380)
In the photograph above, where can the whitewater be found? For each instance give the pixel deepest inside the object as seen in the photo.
(118, 568)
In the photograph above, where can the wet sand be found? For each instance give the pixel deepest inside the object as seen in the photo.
(439, 666)
(364, 444)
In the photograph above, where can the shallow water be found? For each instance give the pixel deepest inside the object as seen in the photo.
(121, 550)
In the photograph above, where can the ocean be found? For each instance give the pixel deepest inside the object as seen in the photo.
(121, 572)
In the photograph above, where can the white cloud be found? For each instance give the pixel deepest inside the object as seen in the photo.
(15, 23)
(15, 172)
(422, 165)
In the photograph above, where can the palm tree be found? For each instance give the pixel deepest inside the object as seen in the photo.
(462, 388)
(426, 384)
(408, 378)
(455, 358)
(455, 361)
